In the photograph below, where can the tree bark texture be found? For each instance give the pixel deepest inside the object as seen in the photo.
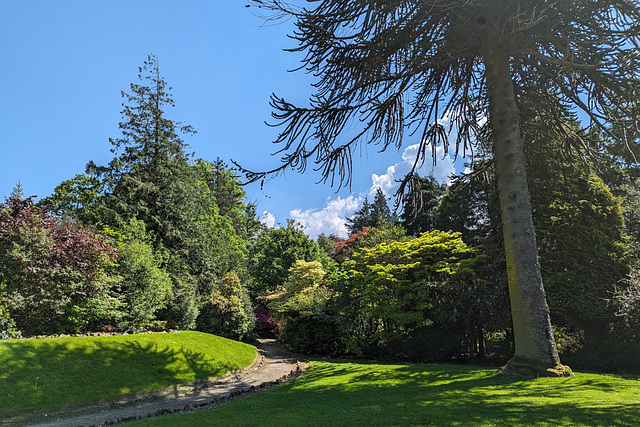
(535, 347)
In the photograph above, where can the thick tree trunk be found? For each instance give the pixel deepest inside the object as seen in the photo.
(535, 351)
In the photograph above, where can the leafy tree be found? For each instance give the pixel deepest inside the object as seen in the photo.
(418, 210)
(327, 244)
(297, 305)
(375, 214)
(389, 287)
(299, 294)
(276, 250)
(145, 287)
(230, 197)
(389, 66)
(55, 271)
(81, 197)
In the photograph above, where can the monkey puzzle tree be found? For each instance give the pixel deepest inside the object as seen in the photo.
(386, 67)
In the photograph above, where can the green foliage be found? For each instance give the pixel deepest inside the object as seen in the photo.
(392, 298)
(227, 311)
(55, 271)
(303, 293)
(44, 373)
(627, 299)
(580, 227)
(373, 215)
(7, 324)
(421, 200)
(81, 198)
(471, 206)
(629, 194)
(229, 196)
(327, 244)
(193, 212)
(275, 251)
(145, 287)
(367, 238)
(388, 288)
(299, 306)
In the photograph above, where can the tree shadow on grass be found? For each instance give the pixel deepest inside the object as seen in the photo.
(355, 393)
(57, 372)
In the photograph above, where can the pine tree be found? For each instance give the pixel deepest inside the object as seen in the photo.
(376, 214)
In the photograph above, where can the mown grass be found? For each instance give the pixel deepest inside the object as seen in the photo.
(52, 372)
(334, 393)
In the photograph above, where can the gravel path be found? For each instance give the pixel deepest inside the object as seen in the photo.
(272, 366)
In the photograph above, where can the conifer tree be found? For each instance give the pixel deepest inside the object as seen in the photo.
(152, 179)
(418, 210)
(376, 214)
(385, 67)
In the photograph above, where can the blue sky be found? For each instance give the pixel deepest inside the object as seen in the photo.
(65, 63)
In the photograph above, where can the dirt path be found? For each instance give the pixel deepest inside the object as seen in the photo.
(273, 366)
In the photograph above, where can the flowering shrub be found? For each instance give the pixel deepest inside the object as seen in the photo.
(266, 325)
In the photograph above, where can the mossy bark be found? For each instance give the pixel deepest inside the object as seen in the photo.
(535, 347)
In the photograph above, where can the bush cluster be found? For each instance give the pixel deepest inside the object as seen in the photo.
(391, 299)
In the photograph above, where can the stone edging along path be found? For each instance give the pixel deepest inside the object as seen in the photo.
(273, 365)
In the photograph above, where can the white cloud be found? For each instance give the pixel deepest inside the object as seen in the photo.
(330, 219)
(442, 171)
(268, 219)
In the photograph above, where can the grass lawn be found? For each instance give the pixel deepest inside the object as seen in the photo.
(336, 393)
(52, 372)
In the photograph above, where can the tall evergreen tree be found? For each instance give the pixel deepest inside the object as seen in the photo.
(402, 64)
(578, 223)
(152, 179)
(418, 210)
(376, 214)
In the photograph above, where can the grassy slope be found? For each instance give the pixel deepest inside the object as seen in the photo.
(52, 372)
(359, 394)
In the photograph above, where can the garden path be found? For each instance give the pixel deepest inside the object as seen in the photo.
(273, 365)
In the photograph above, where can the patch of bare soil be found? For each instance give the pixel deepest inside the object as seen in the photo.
(273, 365)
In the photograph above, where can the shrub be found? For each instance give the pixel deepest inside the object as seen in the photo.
(299, 306)
(227, 311)
(266, 324)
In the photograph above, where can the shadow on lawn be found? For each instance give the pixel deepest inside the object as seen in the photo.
(56, 372)
(370, 394)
